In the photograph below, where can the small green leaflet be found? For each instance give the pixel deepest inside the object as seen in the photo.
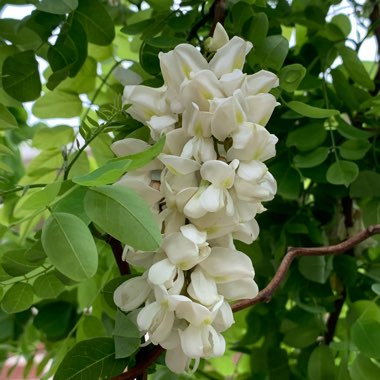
(115, 168)
(311, 159)
(48, 286)
(18, 298)
(123, 214)
(91, 359)
(21, 78)
(7, 120)
(365, 334)
(126, 336)
(57, 7)
(321, 364)
(342, 173)
(70, 246)
(310, 111)
(96, 21)
(109, 173)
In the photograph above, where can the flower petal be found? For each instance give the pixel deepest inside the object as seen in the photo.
(218, 173)
(245, 288)
(161, 272)
(132, 293)
(193, 234)
(226, 265)
(179, 165)
(230, 57)
(202, 288)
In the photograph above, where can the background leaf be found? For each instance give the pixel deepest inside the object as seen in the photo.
(90, 359)
(70, 246)
(124, 215)
(21, 78)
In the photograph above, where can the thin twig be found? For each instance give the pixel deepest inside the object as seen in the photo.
(265, 295)
(117, 251)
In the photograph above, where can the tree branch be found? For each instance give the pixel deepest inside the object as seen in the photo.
(146, 357)
(265, 295)
(117, 250)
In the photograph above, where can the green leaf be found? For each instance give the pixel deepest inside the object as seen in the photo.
(342, 173)
(365, 334)
(90, 327)
(350, 132)
(363, 368)
(55, 319)
(57, 104)
(48, 286)
(164, 42)
(256, 28)
(57, 7)
(137, 27)
(109, 173)
(96, 21)
(91, 359)
(124, 215)
(42, 198)
(355, 67)
(149, 59)
(15, 263)
(271, 53)
(288, 180)
(310, 111)
(343, 23)
(308, 137)
(344, 89)
(160, 4)
(311, 159)
(19, 297)
(126, 336)
(73, 204)
(376, 288)
(291, 76)
(139, 160)
(67, 56)
(302, 336)
(7, 120)
(21, 78)
(70, 246)
(53, 137)
(321, 364)
(315, 268)
(354, 149)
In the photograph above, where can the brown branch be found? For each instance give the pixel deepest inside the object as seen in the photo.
(144, 359)
(117, 250)
(265, 295)
(333, 318)
(219, 14)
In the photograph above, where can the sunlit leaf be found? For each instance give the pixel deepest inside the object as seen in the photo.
(70, 246)
(90, 359)
(123, 214)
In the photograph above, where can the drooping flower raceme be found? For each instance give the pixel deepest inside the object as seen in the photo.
(213, 181)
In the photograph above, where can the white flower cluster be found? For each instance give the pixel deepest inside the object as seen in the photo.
(213, 181)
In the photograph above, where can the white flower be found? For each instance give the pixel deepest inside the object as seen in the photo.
(219, 38)
(161, 124)
(261, 82)
(202, 87)
(176, 66)
(252, 142)
(146, 102)
(230, 56)
(132, 293)
(183, 253)
(214, 197)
